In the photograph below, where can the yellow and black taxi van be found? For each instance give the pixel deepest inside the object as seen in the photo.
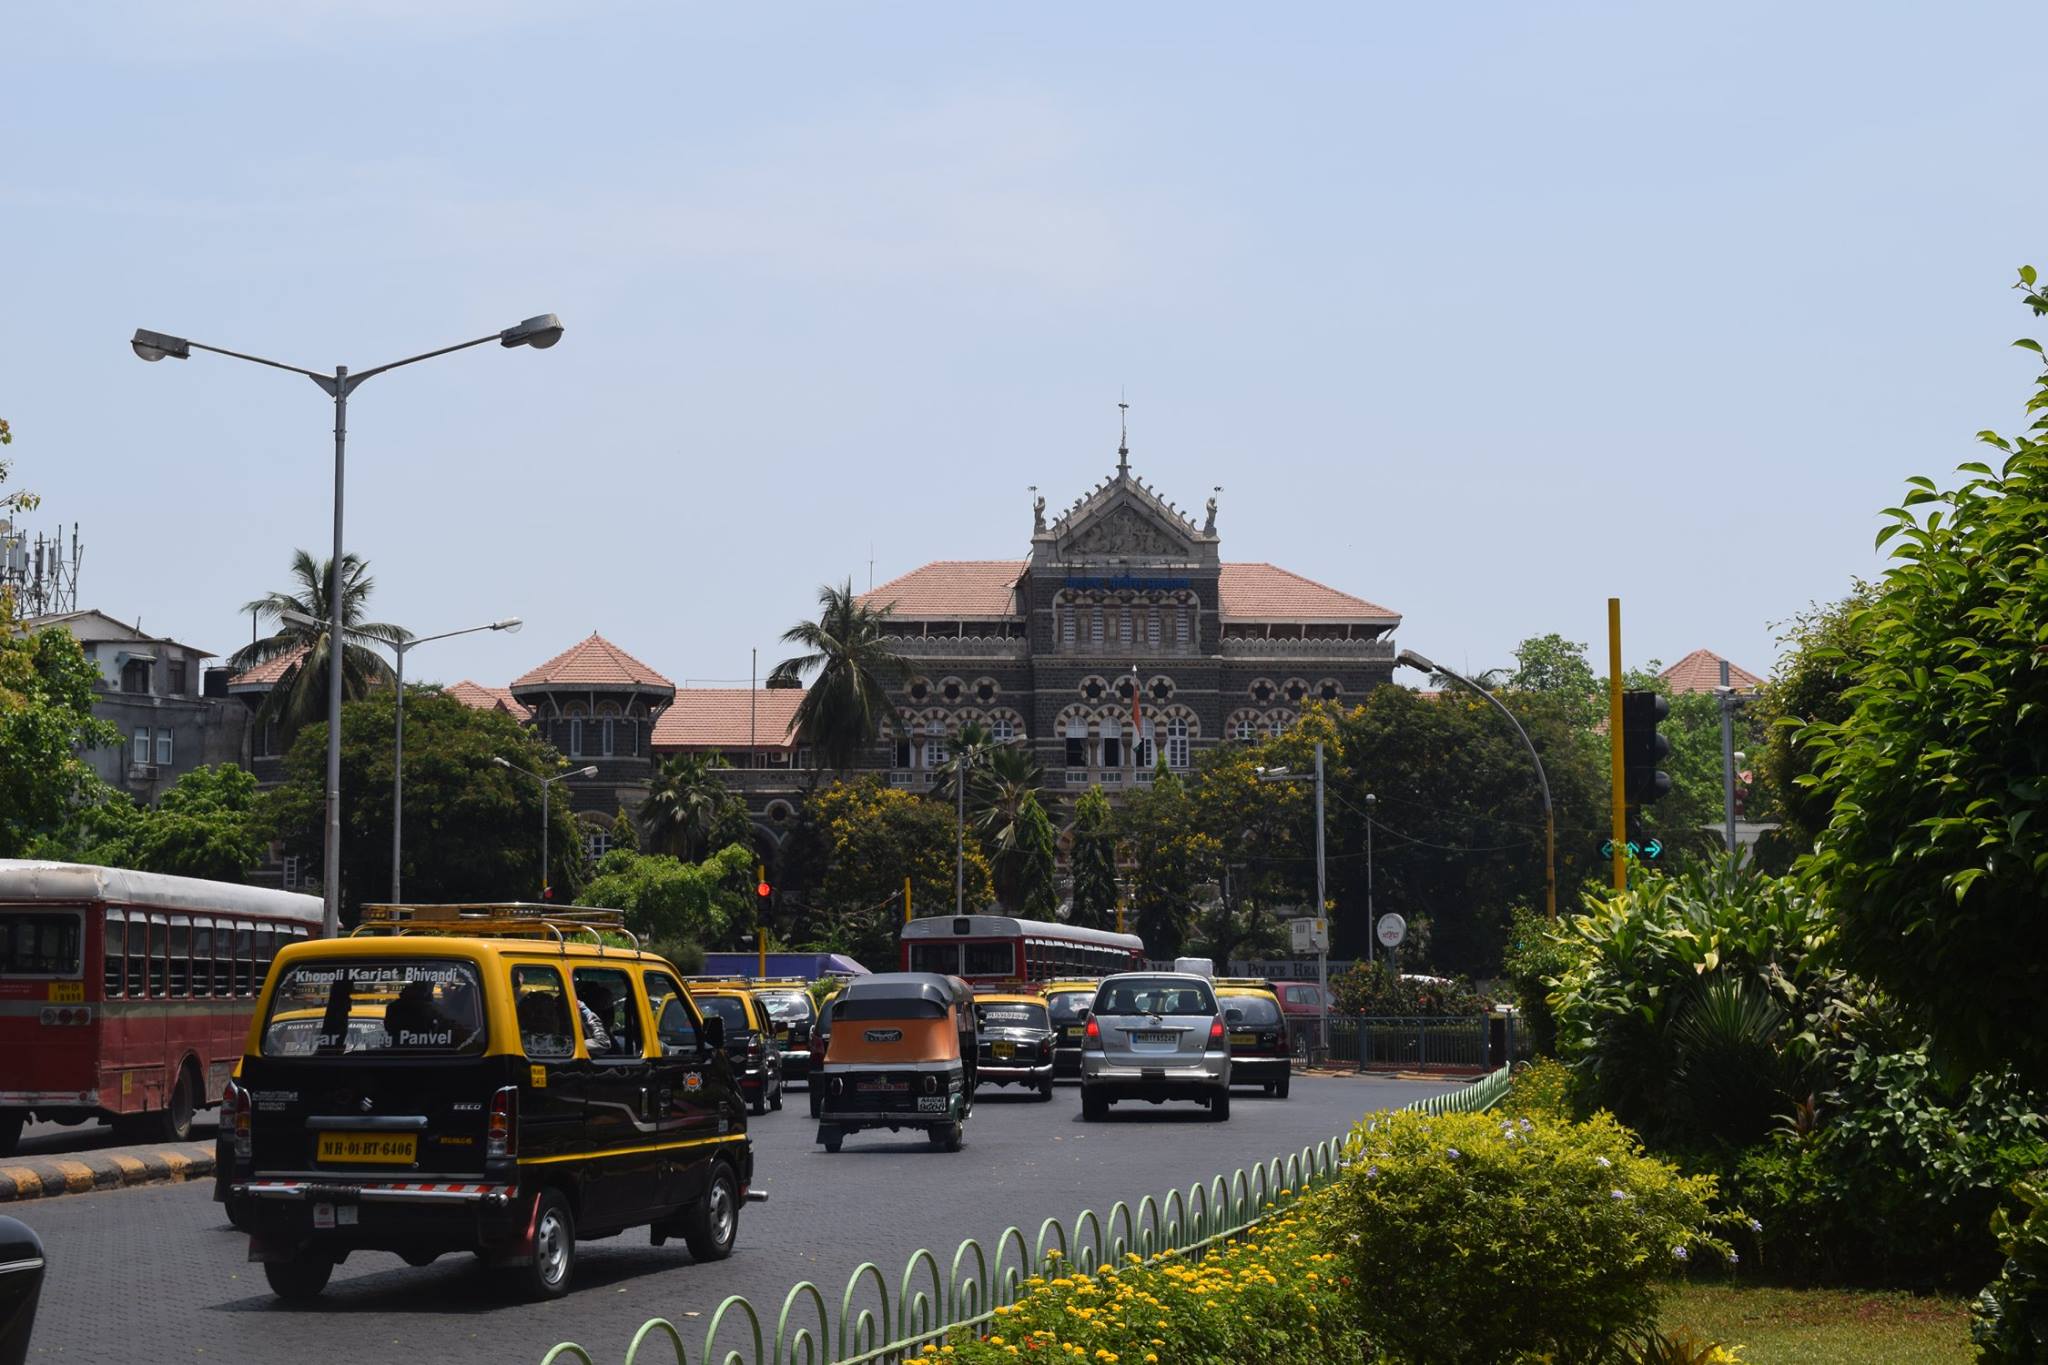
(502, 1079)
(1067, 1001)
(1260, 1050)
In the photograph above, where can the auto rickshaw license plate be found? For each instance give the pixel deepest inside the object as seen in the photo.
(391, 1149)
(1243, 1039)
(1003, 1052)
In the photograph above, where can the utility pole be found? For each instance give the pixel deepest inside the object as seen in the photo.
(1726, 693)
(1372, 920)
(1619, 800)
(1322, 913)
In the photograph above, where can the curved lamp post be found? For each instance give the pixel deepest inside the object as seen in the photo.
(545, 784)
(538, 332)
(1414, 660)
(398, 649)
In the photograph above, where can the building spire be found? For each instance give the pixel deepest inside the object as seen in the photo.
(1123, 438)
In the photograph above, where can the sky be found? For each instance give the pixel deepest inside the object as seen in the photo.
(1485, 312)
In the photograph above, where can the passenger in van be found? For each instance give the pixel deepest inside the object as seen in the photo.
(543, 1024)
(596, 1002)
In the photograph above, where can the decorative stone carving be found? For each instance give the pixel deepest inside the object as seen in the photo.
(1126, 531)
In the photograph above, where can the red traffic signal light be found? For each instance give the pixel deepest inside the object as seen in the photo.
(762, 890)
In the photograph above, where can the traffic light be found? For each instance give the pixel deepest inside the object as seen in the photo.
(1642, 748)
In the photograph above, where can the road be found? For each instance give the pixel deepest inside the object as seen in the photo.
(155, 1273)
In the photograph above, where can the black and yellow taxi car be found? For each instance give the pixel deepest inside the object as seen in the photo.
(1067, 1003)
(791, 1015)
(757, 1058)
(1016, 1038)
(1261, 1053)
(502, 1079)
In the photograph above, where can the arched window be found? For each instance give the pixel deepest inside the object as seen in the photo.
(1002, 729)
(1077, 743)
(1176, 743)
(934, 746)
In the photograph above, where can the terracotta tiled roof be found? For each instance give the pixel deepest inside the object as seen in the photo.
(963, 588)
(271, 671)
(717, 718)
(952, 588)
(481, 698)
(1700, 671)
(1265, 592)
(595, 662)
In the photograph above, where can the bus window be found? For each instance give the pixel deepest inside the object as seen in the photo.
(138, 956)
(159, 955)
(116, 952)
(991, 959)
(935, 957)
(266, 949)
(245, 948)
(202, 958)
(180, 943)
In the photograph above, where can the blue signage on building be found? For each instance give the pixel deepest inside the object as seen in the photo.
(1124, 582)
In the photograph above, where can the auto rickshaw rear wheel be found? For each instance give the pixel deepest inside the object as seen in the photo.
(301, 1278)
(550, 1264)
(831, 1137)
(947, 1137)
(713, 1225)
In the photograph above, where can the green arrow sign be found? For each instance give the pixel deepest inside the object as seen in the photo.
(1653, 848)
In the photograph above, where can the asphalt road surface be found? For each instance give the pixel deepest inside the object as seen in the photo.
(156, 1274)
(57, 1139)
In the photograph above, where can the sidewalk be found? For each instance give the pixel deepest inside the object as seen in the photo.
(43, 1177)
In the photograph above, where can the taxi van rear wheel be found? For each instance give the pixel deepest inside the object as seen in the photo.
(545, 1271)
(712, 1226)
(301, 1278)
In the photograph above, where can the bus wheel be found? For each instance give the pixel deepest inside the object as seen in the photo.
(10, 1133)
(173, 1122)
(299, 1279)
(710, 1229)
(545, 1271)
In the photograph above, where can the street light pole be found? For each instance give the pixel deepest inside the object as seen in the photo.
(1372, 919)
(1322, 892)
(398, 650)
(538, 332)
(589, 770)
(1414, 660)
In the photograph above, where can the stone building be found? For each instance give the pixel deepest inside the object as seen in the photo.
(1121, 591)
(172, 711)
(598, 705)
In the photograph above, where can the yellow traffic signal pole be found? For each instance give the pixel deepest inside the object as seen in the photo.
(1619, 800)
(906, 900)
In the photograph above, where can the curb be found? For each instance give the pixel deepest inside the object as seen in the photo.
(49, 1176)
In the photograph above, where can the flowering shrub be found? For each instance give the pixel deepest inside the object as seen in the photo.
(1278, 1295)
(1478, 1238)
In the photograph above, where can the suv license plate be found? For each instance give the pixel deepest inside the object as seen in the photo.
(1152, 1037)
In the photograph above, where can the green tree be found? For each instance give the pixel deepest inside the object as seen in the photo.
(302, 696)
(848, 703)
(1168, 864)
(205, 825)
(689, 811)
(861, 839)
(1936, 855)
(1092, 860)
(1034, 852)
(1003, 781)
(625, 834)
(1824, 645)
(473, 828)
(46, 692)
(671, 902)
(1557, 670)
(1254, 839)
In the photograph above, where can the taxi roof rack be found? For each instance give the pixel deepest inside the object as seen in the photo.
(499, 919)
(1264, 983)
(751, 982)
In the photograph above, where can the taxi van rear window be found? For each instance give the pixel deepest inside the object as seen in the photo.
(379, 1006)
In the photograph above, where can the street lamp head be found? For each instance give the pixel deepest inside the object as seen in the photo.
(1371, 800)
(299, 618)
(154, 346)
(539, 333)
(499, 761)
(1414, 660)
(590, 771)
(510, 625)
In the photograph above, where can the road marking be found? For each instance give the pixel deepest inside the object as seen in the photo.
(176, 1160)
(77, 1175)
(27, 1184)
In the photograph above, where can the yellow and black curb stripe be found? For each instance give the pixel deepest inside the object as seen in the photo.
(48, 1176)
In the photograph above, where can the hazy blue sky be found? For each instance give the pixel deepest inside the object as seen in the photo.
(1483, 312)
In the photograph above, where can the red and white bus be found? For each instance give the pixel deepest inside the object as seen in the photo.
(999, 948)
(127, 995)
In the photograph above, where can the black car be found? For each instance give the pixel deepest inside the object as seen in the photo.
(1016, 1042)
(21, 1284)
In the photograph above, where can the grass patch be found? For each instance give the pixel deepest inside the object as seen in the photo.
(1824, 1326)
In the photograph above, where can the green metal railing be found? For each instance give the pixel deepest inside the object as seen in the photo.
(875, 1324)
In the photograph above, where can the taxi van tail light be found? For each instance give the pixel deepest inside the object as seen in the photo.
(235, 1114)
(503, 1139)
(1217, 1036)
(1094, 1034)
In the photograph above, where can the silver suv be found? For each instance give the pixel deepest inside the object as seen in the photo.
(1155, 1036)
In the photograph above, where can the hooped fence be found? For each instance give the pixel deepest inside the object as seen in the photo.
(878, 1322)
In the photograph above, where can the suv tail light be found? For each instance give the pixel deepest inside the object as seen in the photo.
(503, 1133)
(1094, 1034)
(235, 1118)
(1217, 1036)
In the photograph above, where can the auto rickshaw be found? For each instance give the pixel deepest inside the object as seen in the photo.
(901, 1055)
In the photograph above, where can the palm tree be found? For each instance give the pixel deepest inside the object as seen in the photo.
(301, 696)
(688, 811)
(845, 707)
(1003, 782)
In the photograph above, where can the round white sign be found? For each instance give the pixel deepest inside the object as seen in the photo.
(1392, 929)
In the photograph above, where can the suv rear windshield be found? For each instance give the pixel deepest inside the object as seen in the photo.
(388, 1006)
(1260, 1011)
(1155, 995)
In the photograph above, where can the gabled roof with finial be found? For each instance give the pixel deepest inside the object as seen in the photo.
(595, 663)
(1700, 671)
